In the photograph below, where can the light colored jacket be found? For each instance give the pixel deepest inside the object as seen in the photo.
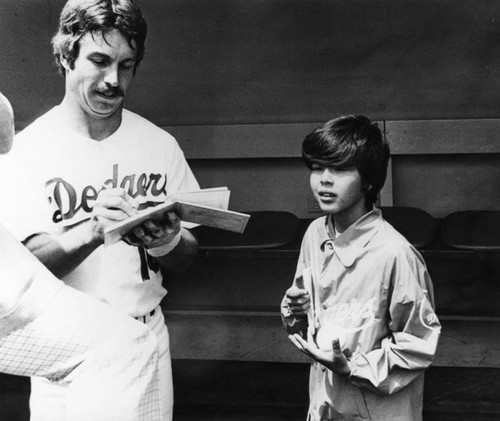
(370, 288)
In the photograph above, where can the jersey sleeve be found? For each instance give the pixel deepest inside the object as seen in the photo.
(180, 178)
(25, 209)
(410, 347)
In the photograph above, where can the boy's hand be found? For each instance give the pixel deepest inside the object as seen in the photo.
(334, 360)
(298, 301)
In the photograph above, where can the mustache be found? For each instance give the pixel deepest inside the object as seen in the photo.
(111, 90)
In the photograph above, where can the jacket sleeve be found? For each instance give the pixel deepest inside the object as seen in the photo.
(414, 329)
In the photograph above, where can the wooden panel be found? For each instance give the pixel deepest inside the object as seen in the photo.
(14, 398)
(442, 184)
(245, 336)
(278, 61)
(285, 140)
(29, 78)
(256, 336)
(228, 281)
(386, 196)
(249, 391)
(242, 141)
(465, 282)
(259, 184)
(444, 136)
(240, 61)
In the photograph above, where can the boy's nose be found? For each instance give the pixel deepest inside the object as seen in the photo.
(326, 176)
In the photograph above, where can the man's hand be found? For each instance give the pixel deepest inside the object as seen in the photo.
(334, 360)
(111, 205)
(155, 232)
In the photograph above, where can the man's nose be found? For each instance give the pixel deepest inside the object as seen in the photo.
(111, 78)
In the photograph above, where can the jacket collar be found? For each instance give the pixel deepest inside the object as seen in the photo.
(349, 245)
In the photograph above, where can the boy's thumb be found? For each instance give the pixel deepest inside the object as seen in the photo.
(299, 282)
(338, 350)
(336, 345)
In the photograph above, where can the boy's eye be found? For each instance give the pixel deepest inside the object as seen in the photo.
(316, 167)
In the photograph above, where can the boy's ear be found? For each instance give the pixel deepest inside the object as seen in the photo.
(368, 187)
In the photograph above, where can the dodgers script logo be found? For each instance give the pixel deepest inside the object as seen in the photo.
(354, 315)
(68, 201)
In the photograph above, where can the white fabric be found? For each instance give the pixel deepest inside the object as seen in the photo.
(26, 287)
(107, 361)
(70, 169)
(49, 397)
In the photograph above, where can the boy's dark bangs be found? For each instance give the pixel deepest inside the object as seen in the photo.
(335, 161)
(340, 157)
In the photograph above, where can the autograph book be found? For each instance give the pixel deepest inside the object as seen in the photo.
(204, 207)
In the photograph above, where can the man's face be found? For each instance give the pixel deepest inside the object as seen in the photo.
(101, 74)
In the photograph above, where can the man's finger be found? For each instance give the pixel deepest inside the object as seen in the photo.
(171, 218)
(117, 198)
(111, 214)
(153, 228)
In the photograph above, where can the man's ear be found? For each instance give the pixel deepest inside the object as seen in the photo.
(65, 63)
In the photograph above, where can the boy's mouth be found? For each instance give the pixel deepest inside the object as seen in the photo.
(326, 196)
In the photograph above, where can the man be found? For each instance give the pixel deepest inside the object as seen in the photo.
(107, 362)
(97, 163)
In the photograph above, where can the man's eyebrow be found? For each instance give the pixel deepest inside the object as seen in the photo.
(98, 54)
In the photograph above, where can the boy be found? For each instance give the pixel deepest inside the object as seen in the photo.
(362, 298)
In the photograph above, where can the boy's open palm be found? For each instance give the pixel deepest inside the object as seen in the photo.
(334, 360)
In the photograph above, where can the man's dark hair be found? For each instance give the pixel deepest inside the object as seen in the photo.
(348, 142)
(80, 17)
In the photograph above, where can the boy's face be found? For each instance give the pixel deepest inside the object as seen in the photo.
(339, 192)
(101, 74)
